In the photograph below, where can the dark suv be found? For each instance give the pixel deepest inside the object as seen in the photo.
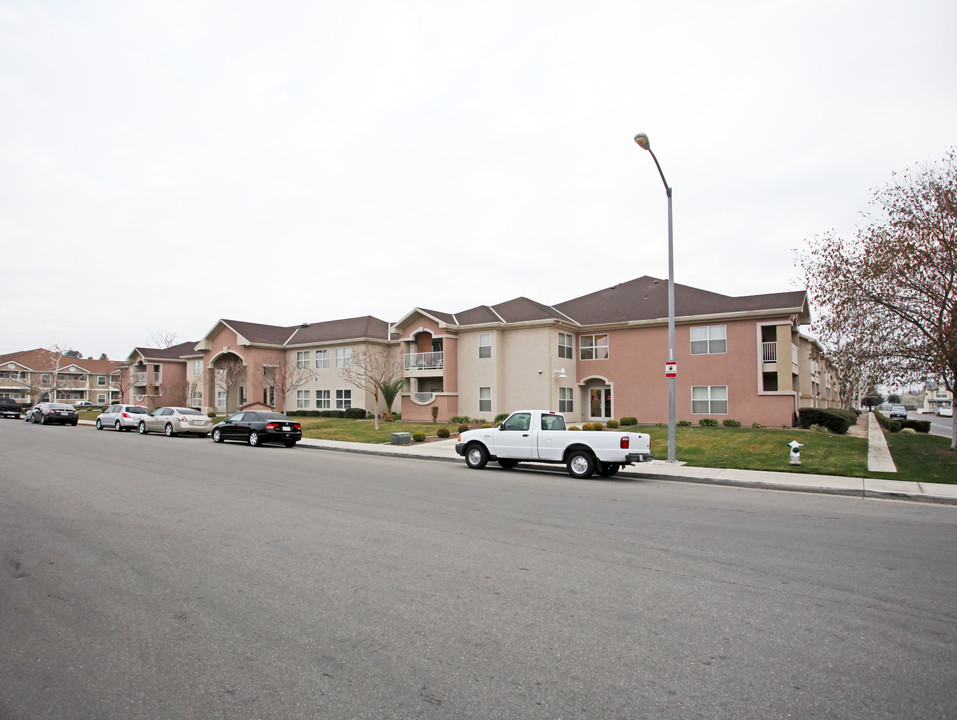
(9, 408)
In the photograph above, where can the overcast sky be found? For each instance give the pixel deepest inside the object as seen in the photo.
(165, 164)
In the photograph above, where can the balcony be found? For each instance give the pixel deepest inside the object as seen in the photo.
(424, 361)
(770, 352)
(423, 398)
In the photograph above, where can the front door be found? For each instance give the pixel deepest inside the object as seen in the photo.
(599, 405)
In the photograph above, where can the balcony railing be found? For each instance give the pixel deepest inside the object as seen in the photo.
(770, 352)
(424, 361)
(423, 397)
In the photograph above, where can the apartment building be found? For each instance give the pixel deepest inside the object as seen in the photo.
(595, 357)
(39, 375)
(602, 356)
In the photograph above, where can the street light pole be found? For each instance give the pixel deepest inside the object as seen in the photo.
(642, 140)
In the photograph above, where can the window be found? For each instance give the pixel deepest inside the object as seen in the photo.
(343, 399)
(302, 359)
(322, 399)
(101, 380)
(709, 400)
(566, 345)
(45, 379)
(485, 345)
(485, 399)
(156, 373)
(520, 422)
(322, 359)
(343, 358)
(197, 367)
(220, 398)
(100, 399)
(566, 402)
(709, 339)
(593, 347)
(197, 398)
(302, 399)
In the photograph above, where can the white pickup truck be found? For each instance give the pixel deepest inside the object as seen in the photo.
(541, 436)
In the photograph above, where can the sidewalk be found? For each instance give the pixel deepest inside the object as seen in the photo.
(444, 450)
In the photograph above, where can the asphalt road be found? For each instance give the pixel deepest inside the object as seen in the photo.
(148, 577)
(938, 425)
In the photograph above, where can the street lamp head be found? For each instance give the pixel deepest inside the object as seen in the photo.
(643, 141)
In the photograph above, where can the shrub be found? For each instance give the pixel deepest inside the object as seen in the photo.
(836, 422)
(598, 425)
(921, 426)
(459, 419)
(588, 426)
(757, 426)
(500, 417)
(463, 427)
(355, 413)
(731, 423)
(442, 432)
(574, 427)
(908, 431)
(211, 414)
(892, 426)
(486, 425)
(628, 421)
(612, 424)
(435, 413)
(820, 429)
(684, 423)
(418, 436)
(708, 422)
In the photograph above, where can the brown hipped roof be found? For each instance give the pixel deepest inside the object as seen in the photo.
(42, 359)
(646, 298)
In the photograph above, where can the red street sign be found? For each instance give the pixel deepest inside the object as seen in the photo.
(671, 370)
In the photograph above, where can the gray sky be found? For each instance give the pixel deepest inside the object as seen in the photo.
(165, 164)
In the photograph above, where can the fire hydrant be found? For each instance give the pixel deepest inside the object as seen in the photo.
(795, 452)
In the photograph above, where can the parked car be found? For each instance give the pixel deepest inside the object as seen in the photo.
(258, 427)
(9, 408)
(82, 404)
(175, 420)
(121, 417)
(28, 415)
(945, 410)
(899, 411)
(48, 413)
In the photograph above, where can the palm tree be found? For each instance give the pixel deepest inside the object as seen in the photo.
(390, 390)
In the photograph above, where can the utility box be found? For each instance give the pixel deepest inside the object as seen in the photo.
(401, 438)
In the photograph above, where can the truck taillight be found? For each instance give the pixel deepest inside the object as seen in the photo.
(625, 439)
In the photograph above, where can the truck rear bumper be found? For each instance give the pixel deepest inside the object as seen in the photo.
(639, 457)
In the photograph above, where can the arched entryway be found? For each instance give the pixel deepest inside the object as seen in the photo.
(226, 383)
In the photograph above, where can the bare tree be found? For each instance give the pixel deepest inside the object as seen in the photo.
(52, 378)
(369, 369)
(163, 339)
(122, 380)
(181, 393)
(229, 373)
(891, 292)
(285, 376)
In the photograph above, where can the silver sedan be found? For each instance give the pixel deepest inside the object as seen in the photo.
(175, 420)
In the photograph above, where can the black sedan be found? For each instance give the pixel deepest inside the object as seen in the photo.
(47, 413)
(258, 427)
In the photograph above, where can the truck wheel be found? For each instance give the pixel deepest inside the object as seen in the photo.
(608, 469)
(476, 456)
(508, 464)
(580, 464)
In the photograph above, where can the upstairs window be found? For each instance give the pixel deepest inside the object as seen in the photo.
(709, 339)
(322, 359)
(566, 345)
(593, 347)
(343, 357)
(302, 359)
(485, 345)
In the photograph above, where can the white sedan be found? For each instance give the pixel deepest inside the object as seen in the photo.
(175, 420)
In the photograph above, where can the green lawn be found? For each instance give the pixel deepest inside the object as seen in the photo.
(919, 457)
(364, 431)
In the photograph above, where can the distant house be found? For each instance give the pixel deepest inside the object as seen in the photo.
(38, 375)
